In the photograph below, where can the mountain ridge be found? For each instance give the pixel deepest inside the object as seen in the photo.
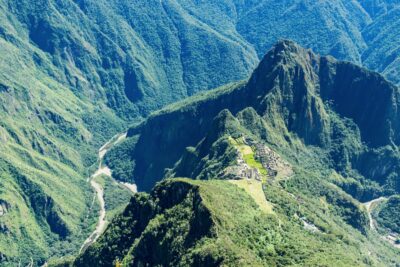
(287, 93)
(76, 72)
(218, 224)
(287, 131)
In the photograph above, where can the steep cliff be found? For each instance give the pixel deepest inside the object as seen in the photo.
(215, 223)
(300, 102)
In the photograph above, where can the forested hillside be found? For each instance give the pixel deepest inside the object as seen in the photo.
(291, 138)
(364, 31)
(75, 72)
(296, 101)
(72, 75)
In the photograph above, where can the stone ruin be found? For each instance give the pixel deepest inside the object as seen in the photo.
(241, 171)
(272, 162)
(269, 159)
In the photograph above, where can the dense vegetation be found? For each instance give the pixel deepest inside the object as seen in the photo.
(388, 215)
(362, 31)
(184, 223)
(299, 103)
(116, 196)
(75, 72)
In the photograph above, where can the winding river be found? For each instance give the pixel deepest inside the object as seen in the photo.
(103, 170)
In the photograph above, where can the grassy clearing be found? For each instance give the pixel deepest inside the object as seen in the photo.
(248, 155)
(242, 234)
(255, 190)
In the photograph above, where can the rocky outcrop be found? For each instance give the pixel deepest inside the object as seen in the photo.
(294, 95)
(4, 207)
(139, 233)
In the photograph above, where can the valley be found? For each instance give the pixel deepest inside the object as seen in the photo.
(390, 237)
(97, 187)
(287, 112)
(276, 142)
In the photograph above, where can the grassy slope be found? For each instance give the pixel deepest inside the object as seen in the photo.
(66, 71)
(255, 190)
(241, 234)
(322, 155)
(102, 58)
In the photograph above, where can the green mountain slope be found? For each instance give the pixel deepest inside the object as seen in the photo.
(295, 101)
(281, 165)
(383, 49)
(75, 72)
(335, 26)
(124, 53)
(72, 74)
(45, 149)
(212, 223)
(388, 215)
(363, 31)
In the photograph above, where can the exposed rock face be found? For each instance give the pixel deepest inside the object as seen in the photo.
(4, 207)
(297, 84)
(285, 88)
(347, 111)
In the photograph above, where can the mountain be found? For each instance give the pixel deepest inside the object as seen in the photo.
(281, 166)
(75, 72)
(363, 31)
(123, 53)
(383, 50)
(296, 101)
(215, 223)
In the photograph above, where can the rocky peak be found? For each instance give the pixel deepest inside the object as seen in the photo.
(285, 88)
(293, 85)
(285, 54)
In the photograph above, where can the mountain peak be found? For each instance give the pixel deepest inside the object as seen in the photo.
(284, 53)
(296, 82)
(286, 45)
(321, 115)
(286, 49)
